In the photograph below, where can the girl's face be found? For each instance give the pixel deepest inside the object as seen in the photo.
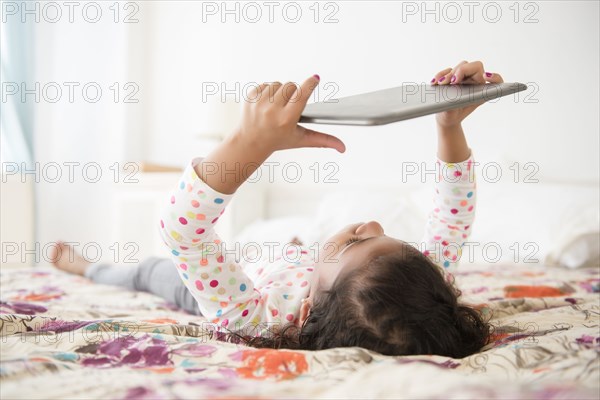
(352, 247)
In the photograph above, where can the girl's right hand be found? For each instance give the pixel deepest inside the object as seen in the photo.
(270, 119)
(269, 123)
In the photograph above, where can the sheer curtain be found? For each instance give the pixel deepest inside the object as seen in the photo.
(17, 205)
(16, 116)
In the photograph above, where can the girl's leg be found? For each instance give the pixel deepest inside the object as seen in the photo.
(154, 275)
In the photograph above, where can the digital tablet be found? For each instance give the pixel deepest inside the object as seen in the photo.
(403, 102)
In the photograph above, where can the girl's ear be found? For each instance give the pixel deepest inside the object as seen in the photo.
(304, 310)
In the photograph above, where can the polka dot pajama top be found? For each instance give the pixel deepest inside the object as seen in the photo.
(266, 293)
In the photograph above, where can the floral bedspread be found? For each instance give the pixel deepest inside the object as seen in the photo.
(65, 337)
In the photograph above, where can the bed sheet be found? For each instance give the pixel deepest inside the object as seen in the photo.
(65, 337)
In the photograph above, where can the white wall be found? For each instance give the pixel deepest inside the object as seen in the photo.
(171, 52)
(372, 48)
(77, 208)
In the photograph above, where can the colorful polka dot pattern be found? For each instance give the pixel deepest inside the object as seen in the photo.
(449, 224)
(228, 294)
(231, 295)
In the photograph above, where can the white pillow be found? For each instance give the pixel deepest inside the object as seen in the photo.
(528, 223)
(534, 222)
(578, 240)
(397, 212)
(279, 230)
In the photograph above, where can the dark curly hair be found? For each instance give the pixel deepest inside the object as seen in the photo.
(398, 304)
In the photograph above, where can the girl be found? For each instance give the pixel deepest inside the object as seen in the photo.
(371, 290)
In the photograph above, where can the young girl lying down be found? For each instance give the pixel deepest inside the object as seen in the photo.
(372, 290)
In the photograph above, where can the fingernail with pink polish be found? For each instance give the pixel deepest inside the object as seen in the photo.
(453, 79)
(442, 79)
(433, 80)
(317, 76)
(488, 74)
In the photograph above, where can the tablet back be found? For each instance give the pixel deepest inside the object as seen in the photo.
(403, 102)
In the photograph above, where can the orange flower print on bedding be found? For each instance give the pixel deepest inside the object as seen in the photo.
(269, 363)
(518, 291)
(161, 321)
(44, 293)
(497, 337)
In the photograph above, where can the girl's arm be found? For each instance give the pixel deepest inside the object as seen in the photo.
(225, 294)
(452, 145)
(450, 222)
(269, 123)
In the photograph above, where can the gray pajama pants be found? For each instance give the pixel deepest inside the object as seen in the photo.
(155, 275)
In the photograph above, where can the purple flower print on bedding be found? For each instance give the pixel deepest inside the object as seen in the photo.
(171, 307)
(195, 350)
(218, 385)
(450, 364)
(21, 307)
(142, 393)
(591, 285)
(588, 341)
(228, 373)
(59, 326)
(145, 351)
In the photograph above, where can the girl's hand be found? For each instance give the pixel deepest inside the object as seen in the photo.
(270, 121)
(463, 73)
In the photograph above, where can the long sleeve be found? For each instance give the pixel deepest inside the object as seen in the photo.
(226, 295)
(450, 222)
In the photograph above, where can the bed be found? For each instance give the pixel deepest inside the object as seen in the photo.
(65, 337)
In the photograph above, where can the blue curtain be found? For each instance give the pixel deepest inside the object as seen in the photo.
(16, 116)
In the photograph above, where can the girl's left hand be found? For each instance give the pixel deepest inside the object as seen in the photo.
(464, 73)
